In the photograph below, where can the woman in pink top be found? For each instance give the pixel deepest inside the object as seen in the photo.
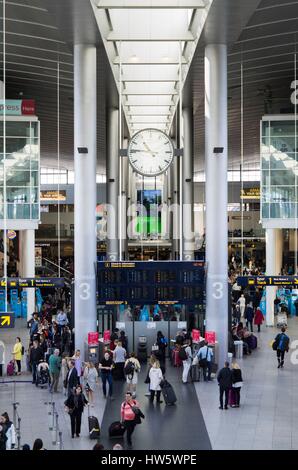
(128, 416)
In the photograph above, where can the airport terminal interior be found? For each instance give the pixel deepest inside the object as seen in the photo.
(148, 224)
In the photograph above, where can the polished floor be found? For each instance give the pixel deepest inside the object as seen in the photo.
(267, 418)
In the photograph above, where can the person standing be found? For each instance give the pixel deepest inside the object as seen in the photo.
(237, 383)
(155, 377)
(205, 356)
(62, 320)
(249, 315)
(36, 355)
(282, 342)
(105, 367)
(224, 379)
(75, 404)
(9, 430)
(54, 368)
(133, 367)
(34, 326)
(72, 379)
(259, 318)
(90, 379)
(17, 354)
(242, 303)
(128, 416)
(119, 355)
(186, 362)
(78, 363)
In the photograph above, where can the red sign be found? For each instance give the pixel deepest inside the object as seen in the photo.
(28, 107)
(93, 338)
(210, 337)
(196, 335)
(106, 336)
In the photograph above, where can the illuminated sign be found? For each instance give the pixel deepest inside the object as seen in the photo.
(264, 281)
(250, 193)
(44, 282)
(6, 320)
(17, 107)
(52, 195)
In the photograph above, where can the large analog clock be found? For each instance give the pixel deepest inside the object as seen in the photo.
(150, 152)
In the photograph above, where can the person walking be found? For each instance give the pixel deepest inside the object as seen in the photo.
(90, 381)
(259, 318)
(282, 342)
(119, 355)
(78, 363)
(72, 379)
(17, 354)
(9, 430)
(242, 303)
(186, 360)
(54, 368)
(132, 369)
(61, 320)
(205, 355)
(155, 377)
(105, 367)
(36, 355)
(75, 404)
(224, 379)
(249, 316)
(128, 417)
(237, 383)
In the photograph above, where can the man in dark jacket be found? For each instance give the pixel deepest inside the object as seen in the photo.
(249, 315)
(224, 379)
(36, 355)
(72, 379)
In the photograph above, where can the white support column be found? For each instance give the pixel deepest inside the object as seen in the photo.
(216, 135)
(274, 253)
(27, 254)
(85, 191)
(124, 196)
(112, 185)
(187, 186)
(175, 209)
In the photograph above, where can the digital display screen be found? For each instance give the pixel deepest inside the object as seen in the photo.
(16, 282)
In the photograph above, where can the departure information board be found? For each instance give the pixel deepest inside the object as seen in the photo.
(264, 281)
(41, 282)
(155, 282)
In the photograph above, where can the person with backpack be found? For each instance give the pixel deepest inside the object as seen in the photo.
(18, 351)
(132, 368)
(281, 345)
(128, 416)
(185, 354)
(205, 356)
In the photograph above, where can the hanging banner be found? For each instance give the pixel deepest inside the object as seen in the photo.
(17, 107)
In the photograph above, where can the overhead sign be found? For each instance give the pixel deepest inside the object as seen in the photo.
(53, 195)
(263, 281)
(250, 193)
(18, 107)
(6, 320)
(44, 282)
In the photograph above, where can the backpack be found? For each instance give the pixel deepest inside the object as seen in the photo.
(283, 344)
(23, 350)
(183, 354)
(129, 368)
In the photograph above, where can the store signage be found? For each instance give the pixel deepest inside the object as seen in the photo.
(53, 195)
(151, 325)
(210, 337)
(250, 193)
(17, 107)
(6, 320)
(38, 256)
(11, 234)
(93, 338)
(263, 281)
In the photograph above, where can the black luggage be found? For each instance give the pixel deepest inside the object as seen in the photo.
(116, 430)
(195, 373)
(168, 393)
(94, 429)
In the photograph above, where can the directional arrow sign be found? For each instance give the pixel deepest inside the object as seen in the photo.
(6, 320)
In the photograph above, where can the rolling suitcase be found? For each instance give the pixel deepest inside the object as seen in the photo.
(176, 361)
(232, 397)
(116, 430)
(10, 368)
(168, 393)
(94, 429)
(252, 342)
(195, 373)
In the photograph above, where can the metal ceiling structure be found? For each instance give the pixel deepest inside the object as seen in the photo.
(262, 37)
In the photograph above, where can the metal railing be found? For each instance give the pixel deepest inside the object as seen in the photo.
(53, 417)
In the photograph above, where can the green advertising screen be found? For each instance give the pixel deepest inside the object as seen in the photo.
(148, 225)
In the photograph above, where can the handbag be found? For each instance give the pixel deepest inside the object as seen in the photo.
(138, 414)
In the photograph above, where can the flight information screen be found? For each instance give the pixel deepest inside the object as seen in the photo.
(151, 282)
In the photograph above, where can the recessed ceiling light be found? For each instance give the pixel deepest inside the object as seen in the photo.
(134, 58)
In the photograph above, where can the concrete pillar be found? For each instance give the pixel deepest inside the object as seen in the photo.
(274, 253)
(216, 136)
(124, 196)
(27, 265)
(175, 208)
(85, 191)
(112, 185)
(187, 186)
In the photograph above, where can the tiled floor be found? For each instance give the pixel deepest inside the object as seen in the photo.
(268, 416)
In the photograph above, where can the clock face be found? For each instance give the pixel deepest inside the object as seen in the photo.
(150, 152)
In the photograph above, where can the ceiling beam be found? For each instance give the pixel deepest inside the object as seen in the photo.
(116, 37)
(173, 80)
(148, 62)
(144, 4)
(149, 94)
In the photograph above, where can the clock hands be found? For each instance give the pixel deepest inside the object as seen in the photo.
(149, 150)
